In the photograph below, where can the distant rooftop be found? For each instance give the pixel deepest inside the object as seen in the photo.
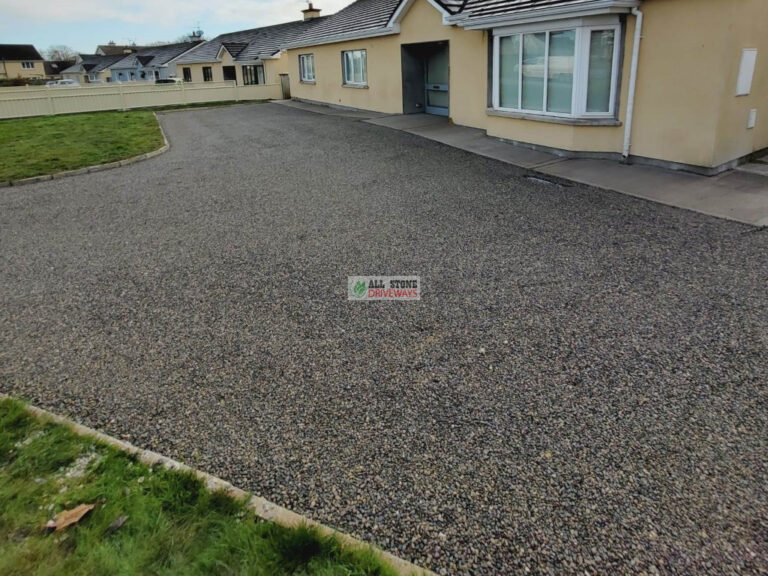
(15, 52)
(113, 49)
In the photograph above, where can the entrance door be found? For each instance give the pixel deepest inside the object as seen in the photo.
(230, 75)
(437, 73)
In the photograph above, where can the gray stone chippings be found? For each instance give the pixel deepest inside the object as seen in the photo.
(194, 304)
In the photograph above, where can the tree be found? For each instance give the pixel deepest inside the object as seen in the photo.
(60, 52)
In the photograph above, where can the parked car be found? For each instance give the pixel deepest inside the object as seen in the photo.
(63, 83)
(169, 81)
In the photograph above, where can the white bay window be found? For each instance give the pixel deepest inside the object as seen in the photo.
(563, 70)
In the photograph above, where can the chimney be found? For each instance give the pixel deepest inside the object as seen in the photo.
(311, 12)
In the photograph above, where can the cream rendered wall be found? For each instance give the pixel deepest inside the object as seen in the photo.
(197, 71)
(422, 23)
(680, 80)
(272, 69)
(14, 70)
(685, 108)
(746, 25)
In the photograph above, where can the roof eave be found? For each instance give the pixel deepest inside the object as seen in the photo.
(540, 14)
(335, 39)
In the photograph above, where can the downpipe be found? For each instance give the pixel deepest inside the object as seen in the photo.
(632, 83)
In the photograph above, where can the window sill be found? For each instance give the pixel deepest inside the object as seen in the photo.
(554, 119)
(357, 86)
(310, 82)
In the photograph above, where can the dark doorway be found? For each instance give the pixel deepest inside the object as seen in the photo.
(230, 74)
(425, 78)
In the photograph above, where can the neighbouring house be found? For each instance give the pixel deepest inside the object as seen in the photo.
(21, 61)
(681, 83)
(150, 64)
(112, 49)
(90, 68)
(54, 68)
(246, 57)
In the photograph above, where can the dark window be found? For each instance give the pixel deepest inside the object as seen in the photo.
(253, 74)
(229, 73)
(207, 74)
(187, 74)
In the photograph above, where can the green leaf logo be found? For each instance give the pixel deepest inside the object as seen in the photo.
(358, 290)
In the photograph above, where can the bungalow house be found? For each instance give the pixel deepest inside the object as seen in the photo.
(91, 68)
(681, 83)
(246, 57)
(150, 64)
(112, 49)
(21, 61)
(54, 68)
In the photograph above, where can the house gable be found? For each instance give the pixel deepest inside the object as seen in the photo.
(444, 8)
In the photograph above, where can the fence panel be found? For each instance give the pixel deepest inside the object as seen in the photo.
(21, 102)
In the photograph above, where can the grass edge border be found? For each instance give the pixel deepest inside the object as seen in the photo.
(95, 167)
(261, 507)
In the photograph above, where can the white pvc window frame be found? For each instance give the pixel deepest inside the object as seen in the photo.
(26, 65)
(580, 70)
(307, 67)
(348, 76)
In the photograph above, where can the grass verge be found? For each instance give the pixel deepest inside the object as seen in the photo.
(49, 144)
(171, 523)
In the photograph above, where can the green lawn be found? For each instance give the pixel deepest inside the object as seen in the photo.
(171, 523)
(49, 144)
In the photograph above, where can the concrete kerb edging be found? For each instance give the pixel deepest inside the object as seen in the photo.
(96, 168)
(258, 505)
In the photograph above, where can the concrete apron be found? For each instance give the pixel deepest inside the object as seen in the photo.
(262, 508)
(739, 195)
(736, 195)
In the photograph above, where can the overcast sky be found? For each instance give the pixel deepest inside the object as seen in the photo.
(84, 24)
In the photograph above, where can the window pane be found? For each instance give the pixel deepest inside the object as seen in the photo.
(601, 45)
(348, 66)
(534, 49)
(562, 48)
(509, 72)
(364, 66)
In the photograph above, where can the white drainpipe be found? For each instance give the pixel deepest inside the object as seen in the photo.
(633, 82)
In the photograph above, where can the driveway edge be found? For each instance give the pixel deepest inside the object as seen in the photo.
(96, 167)
(260, 506)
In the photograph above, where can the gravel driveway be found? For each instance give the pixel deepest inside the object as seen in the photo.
(581, 389)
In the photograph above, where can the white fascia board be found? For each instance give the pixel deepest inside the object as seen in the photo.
(197, 62)
(346, 37)
(402, 10)
(544, 14)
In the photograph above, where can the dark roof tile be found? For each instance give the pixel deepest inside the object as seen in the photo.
(258, 42)
(18, 52)
(359, 18)
(154, 56)
(486, 8)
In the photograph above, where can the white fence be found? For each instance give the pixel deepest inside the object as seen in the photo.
(34, 101)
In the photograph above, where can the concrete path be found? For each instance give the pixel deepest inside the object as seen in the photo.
(740, 195)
